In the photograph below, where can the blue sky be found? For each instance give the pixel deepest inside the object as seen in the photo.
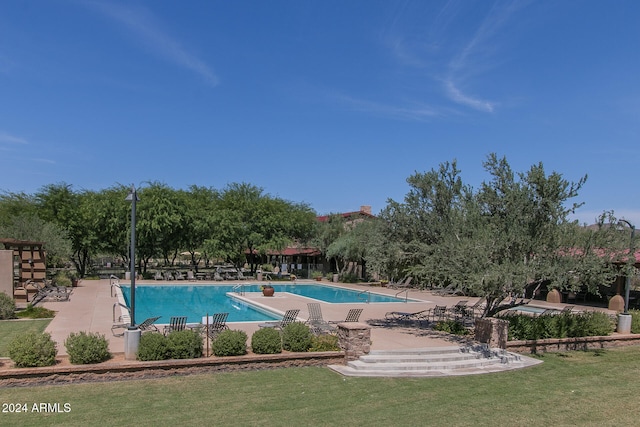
(332, 103)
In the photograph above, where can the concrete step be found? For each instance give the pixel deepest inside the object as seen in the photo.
(437, 361)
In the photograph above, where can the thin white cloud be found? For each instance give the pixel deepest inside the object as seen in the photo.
(142, 23)
(457, 96)
(417, 113)
(11, 139)
(475, 54)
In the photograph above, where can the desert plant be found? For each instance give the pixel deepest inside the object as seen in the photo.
(266, 341)
(33, 349)
(186, 344)
(324, 342)
(84, 348)
(635, 321)
(524, 327)
(32, 312)
(153, 346)
(296, 336)
(7, 306)
(63, 278)
(451, 327)
(230, 343)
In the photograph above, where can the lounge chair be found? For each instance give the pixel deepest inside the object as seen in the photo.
(168, 276)
(290, 316)
(315, 320)
(403, 284)
(158, 275)
(48, 291)
(178, 276)
(352, 316)
(450, 290)
(403, 316)
(190, 276)
(176, 323)
(148, 325)
(215, 324)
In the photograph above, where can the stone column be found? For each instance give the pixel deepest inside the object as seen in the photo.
(354, 338)
(493, 332)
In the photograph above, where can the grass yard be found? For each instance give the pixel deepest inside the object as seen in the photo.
(577, 388)
(11, 328)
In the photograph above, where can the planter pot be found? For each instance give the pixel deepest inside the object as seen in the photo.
(554, 296)
(268, 292)
(318, 278)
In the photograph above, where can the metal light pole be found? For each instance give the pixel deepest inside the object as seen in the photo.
(132, 334)
(627, 284)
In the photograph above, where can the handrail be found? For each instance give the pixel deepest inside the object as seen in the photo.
(117, 304)
(239, 289)
(115, 283)
(406, 294)
(368, 295)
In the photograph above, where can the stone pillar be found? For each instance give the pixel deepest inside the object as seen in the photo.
(493, 332)
(354, 338)
(6, 272)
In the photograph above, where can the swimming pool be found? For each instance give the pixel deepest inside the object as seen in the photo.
(195, 301)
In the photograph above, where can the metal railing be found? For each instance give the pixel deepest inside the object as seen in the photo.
(117, 304)
(367, 299)
(239, 289)
(115, 283)
(406, 294)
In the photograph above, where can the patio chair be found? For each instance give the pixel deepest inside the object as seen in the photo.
(158, 275)
(315, 320)
(438, 313)
(216, 324)
(449, 290)
(402, 284)
(459, 308)
(176, 323)
(48, 291)
(290, 316)
(190, 276)
(352, 316)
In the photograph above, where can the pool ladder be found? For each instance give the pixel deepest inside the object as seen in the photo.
(368, 296)
(122, 306)
(239, 289)
(115, 283)
(406, 294)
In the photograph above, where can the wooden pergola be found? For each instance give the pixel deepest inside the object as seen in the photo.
(29, 264)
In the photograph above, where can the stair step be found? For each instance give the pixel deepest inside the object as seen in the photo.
(438, 361)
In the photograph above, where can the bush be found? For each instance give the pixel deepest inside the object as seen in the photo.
(32, 312)
(266, 341)
(33, 349)
(153, 346)
(186, 344)
(451, 327)
(230, 343)
(349, 278)
(635, 321)
(84, 348)
(296, 336)
(563, 325)
(324, 343)
(7, 307)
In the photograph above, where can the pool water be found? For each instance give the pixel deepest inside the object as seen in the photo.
(528, 309)
(196, 301)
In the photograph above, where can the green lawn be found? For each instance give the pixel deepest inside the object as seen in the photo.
(10, 328)
(577, 388)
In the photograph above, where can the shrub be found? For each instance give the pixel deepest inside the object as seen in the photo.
(33, 349)
(230, 343)
(186, 344)
(153, 346)
(7, 306)
(266, 341)
(563, 325)
(349, 278)
(324, 342)
(84, 348)
(451, 327)
(296, 336)
(32, 312)
(635, 321)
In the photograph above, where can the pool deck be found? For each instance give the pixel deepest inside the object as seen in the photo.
(90, 309)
